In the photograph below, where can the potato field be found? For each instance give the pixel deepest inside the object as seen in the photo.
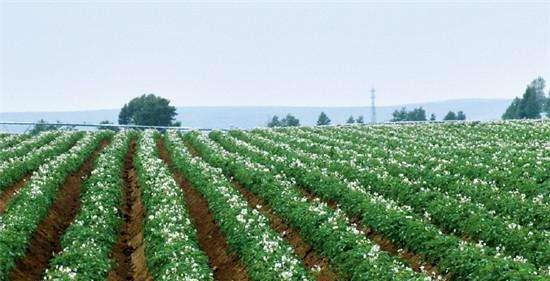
(445, 201)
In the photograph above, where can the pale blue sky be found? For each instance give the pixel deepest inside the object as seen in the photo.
(98, 55)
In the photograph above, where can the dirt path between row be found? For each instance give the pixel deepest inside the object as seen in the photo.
(226, 265)
(9, 192)
(129, 251)
(303, 250)
(46, 239)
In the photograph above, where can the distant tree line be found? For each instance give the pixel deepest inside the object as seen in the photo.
(532, 104)
(358, 120)
(288, 121)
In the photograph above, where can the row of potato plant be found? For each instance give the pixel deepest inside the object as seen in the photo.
(12, 139)
(451, 214)
(366, 152)
(510, 154)
(27, 145)
(398, 223)
(31, 204)
(171, 247)
(15, 169)
(87, 243)
(266, 255)
(328, 231)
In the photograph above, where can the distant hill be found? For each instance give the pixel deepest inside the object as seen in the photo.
(257, 116)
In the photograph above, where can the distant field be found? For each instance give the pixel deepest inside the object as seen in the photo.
(453, 201)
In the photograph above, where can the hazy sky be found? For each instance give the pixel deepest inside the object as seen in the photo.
(98, 55)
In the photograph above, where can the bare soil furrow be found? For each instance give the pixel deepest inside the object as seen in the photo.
(129, 251)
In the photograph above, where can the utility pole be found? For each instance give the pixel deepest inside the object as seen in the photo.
(373, 108)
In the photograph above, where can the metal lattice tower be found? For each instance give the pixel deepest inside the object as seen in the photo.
(373, 108)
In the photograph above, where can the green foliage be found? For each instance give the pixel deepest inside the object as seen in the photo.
(246, 229)
(20, 166)
(350, 120)
(41, 126)
(275, 122)
(452, 215)
(148, 110)
(26, 210)
(432, 117)
(107, 122)
(460, 115)
(360, 119)
(531, 105)
(323, 119)
(170, 238)
(547, 106)
(417, 114)
(101, 198)
(288, 121)
(328, 231)
(513, 111)
(451, 115)
(399, 115)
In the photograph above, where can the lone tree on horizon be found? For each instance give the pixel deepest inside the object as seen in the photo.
(323, 119)
(148, 110)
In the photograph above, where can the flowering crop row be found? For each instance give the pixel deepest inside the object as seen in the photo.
(171, 246)
(507, 156)
(449, 213)
(328, 231)
(10, 140)
(15, 169)
(27, 145)
(31, 204)
(88, 241)
(367, 153)
(398, 224)
(261, 249)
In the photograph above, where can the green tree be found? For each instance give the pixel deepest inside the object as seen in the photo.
(350, 120)
(275, 122)
(460, 115)
(451, 115)
(290, 121)
(432, 117)
(538, 85)
(360, 120)
(323, 119)
(513, 111)
(547, 106)
(148, 110)
(41, 126)
(530, 106)
(400, 115)
(417, 114)
(107, 122)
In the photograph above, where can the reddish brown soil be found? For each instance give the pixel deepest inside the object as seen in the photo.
(413, 260)
(129, 251)
(9, 192)
(226, 265)
(45, 241)
(303, 250)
